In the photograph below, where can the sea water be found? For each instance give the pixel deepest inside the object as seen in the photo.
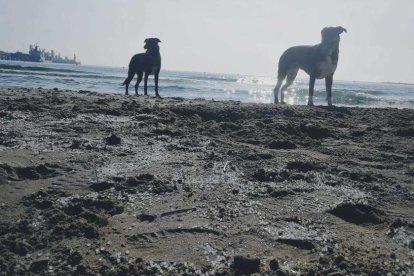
(192, 85)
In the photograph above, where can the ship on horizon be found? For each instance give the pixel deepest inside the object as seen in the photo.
(38, 55)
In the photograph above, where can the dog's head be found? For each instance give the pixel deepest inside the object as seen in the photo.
(330, 35)
(151, 43)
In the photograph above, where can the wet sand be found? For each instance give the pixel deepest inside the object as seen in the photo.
(95, 184)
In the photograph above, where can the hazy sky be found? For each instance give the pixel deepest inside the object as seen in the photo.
(226, 36)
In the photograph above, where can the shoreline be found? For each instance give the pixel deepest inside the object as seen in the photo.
(103, 184)
(244, 88)
(132, 96)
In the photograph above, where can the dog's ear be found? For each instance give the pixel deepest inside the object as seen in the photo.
(157, 40)
(340, 29)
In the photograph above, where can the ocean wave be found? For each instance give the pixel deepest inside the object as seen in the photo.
(194, 84)
(256, 80)
(224, 79)
(349, 96)
(208, 77)
(79, 74)
(352, 97)
(75, 74)
(172, 87)
(36, 68)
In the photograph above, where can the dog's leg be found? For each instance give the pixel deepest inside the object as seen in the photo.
(145, 83)
(328, 85)
(281, 75)
(127, 81)
(276, 90)
(139, 75)
(291, 75)
(156, 84)
(311, 86)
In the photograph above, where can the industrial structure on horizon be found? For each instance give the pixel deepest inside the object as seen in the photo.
(38, 55)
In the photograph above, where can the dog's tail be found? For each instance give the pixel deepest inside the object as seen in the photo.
(129, 78)
(131, 71)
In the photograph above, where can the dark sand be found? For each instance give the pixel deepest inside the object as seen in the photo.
(115, 185)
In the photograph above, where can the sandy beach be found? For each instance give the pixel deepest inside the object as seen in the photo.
(104, 184)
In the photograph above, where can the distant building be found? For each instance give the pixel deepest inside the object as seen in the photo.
(37, 55)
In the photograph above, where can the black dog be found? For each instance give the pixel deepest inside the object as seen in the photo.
(147, 63)
(318, 61)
